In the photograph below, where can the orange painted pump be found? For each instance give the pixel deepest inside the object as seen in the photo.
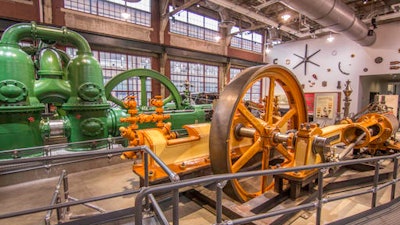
(182, 155)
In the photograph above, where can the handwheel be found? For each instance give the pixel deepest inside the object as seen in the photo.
(143, 74)
(241, 141)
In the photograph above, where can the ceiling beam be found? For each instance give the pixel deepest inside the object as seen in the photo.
(182, 7)
(389, 16)
(265, 4)
(251, 14)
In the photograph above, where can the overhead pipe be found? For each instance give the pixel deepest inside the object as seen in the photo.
(17, 32)
(336, 16)
(254, 15)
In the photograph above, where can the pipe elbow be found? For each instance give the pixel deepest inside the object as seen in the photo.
(16, 32)
(77, 40)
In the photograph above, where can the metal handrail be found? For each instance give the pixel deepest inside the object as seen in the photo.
(147, 192)
(46, 148)
(220, 178)
(59, 206)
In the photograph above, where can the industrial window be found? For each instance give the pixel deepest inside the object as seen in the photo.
(246, 40)
(137, 13)
(115, 63)
(193, 25)
(202, 77)
(254, 94)
(233, 72)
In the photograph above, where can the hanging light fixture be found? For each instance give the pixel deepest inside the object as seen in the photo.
(268, 48)
(330, 38)
(125, 14)
(286, 16)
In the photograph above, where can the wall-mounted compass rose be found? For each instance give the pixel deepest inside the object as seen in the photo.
(306, 59)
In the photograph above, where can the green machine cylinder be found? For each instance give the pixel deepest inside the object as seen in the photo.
(52, 86)
(87, 107)
(20, 110)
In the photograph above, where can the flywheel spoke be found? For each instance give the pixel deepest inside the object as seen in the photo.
(251, 118)
(264, 166)
(288, 115)
(245, 157)
(143, 91)
(284, 152)
(269, 104)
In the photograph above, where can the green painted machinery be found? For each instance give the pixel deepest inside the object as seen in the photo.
(182, 112)
(35, 78)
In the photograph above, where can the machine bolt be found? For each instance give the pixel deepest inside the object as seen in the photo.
(182, 166)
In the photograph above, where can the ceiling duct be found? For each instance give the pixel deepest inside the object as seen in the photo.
(336, 16)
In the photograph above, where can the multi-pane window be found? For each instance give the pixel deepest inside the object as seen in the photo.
(194, 25)
(201, 77)
(246, 40)
(233, 72)
(254, 94)
(133, 12)
(116, 63)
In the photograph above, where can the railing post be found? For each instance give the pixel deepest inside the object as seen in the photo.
(375, 188)
(47, 220)
(220, 186)
(175, 207)
(146, 178)
(319, 196)
(59, 213)
(66, 191)
(395, 169)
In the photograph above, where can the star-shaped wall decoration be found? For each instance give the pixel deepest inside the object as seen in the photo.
(306, 59)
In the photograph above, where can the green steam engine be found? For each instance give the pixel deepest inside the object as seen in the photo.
(32, 78)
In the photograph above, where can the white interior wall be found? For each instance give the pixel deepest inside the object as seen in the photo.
(386, 46)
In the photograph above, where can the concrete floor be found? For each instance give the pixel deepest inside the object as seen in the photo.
(84, 184)
(119, 177)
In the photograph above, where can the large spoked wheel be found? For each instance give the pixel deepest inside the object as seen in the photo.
(242, 141)
(143, 74)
